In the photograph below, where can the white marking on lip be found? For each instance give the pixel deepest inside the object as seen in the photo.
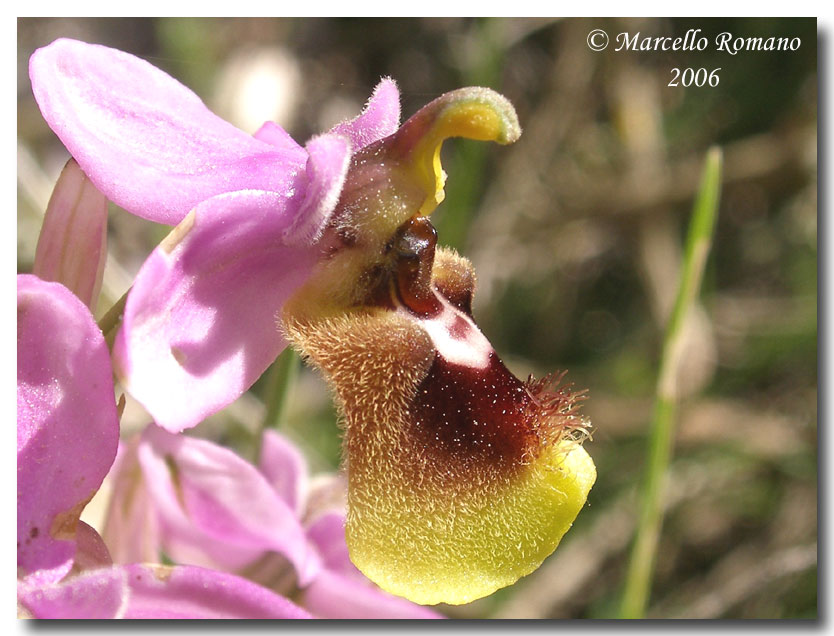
(471, 349)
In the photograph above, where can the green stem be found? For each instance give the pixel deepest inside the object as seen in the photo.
(110, 322)
(280, 380)
(699, 238)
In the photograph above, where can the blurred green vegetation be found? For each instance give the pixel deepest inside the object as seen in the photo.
(576, 233)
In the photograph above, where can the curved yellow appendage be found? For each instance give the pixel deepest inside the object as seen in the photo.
(473, 113)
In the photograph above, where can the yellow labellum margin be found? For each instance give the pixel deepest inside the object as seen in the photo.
(461, 477)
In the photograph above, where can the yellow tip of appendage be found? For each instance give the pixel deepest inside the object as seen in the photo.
(456, 547)
(472, 113)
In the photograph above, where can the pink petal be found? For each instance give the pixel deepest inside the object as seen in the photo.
(327, 534)
(72, 246)
(101, 593)
(193, 592)
(212, 502)
(154, 591)
(285, 469)
(380, 118)
(91, 551)
(131, 528)
(327, 166)
(272, 134)
(146, 141)
(67, 426)
(200, 323)
(333, 595)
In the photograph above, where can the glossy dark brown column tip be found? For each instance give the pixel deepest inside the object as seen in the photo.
(414, 247)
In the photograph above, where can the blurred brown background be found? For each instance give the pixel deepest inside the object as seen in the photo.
(576, 235)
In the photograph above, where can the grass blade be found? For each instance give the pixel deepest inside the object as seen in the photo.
(699, 238)
(280, 382)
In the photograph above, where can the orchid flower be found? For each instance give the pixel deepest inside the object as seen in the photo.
(67, 434)
(268, 524)
(200, 318)
(461, 477)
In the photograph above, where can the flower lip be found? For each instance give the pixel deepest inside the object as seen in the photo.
(451, 457)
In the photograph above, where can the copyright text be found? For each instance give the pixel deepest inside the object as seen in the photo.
(693, 41)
